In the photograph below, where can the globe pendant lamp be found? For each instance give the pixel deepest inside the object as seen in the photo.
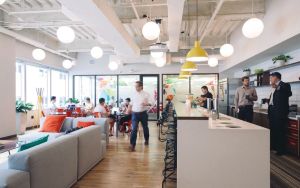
(151, 30)
(185, 74)
(65, 34)
(160, 62)
(113, 65)
(96, 52)
(38, 54)
(226, 50)
(2, 2)
(157, 54)
(197, 54)
(213, 62)
(189, 66)
(252, 28)
(67, 64)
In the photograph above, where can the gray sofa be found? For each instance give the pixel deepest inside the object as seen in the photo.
(58, 163)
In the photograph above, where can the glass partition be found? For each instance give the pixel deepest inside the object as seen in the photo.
(20, 81)
(106, 87)
(59, 86)
(209, 80)
(84, 87)
(127, 86)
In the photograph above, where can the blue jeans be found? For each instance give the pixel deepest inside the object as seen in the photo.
(136, 118)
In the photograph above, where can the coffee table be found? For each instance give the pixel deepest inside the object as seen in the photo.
(8, 145)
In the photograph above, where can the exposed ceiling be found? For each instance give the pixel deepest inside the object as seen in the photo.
(43, 17)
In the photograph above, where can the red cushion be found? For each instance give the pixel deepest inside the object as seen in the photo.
(85, 123)
(53, 123)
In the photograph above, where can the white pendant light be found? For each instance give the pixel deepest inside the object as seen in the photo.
(38, 54)
(213, 62)
(96, 52)
(2, 2)
(226, 50)
(151, 30)
(65, 34)
(252, 28)
(160, 62)
(113, 65)
(67, 64)
(157, 54)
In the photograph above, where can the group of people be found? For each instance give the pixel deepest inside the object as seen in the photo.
(278, 108)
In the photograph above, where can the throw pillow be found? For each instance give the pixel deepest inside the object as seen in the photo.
(33, 143)
(85, 124)
(53, 123)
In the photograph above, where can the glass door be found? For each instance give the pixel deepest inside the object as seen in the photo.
(151, 86)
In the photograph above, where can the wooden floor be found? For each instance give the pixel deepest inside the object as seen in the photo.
(124, 169)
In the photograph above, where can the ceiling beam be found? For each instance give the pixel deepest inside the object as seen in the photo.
(99, 16)
(218, 7)
(175, 12)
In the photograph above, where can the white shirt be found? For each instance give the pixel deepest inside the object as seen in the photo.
(272, 93)
(52, 106)
(138, 99)
(100, 109)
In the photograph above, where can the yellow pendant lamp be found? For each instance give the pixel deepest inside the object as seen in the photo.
(197, 53)
(185, 74)
(189, 66)
(182, 78)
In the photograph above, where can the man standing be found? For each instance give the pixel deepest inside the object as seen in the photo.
(140, 104)
(278, 112)
(244, 97)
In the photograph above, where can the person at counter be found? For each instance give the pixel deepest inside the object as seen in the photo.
(203, 98)
(244, 100)
(278, 112)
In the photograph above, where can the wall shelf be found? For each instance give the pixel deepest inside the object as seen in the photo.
(291, 82)
(278, 68)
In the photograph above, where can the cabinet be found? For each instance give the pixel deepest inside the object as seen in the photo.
(293, 137)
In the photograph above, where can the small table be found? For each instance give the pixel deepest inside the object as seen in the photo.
(8, 145)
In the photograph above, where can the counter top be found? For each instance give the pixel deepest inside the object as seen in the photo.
(192, 114)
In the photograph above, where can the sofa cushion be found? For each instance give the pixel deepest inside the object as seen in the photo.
(33, 143)
(85, 123)
(89, 148)
(52, 164)
(36, 135)
(14, 179)
(66, 125)
(53, 123)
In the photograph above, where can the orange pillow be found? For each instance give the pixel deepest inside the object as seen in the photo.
(85, 124)
(53, 123)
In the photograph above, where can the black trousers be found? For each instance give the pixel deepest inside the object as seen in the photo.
(278, 129)
(246, 113)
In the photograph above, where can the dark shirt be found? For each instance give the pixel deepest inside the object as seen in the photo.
(207, 95)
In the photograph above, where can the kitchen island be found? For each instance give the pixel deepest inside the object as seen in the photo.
(226, 152)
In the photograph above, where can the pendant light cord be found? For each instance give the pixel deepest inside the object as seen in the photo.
(252, 9)
(197, 21)
(188, 34)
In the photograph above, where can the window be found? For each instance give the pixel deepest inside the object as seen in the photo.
(127, 86)
(59, 86)
(37, 80)
(84, 87)
(31, 78)
(106, 87)
(20, 81)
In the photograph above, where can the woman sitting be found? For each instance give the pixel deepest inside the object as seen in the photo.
(104, 111)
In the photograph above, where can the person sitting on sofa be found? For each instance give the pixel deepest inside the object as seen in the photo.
(104, 111)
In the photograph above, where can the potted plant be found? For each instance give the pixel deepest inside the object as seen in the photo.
(282, 59)
(259, 71)
(247, 71)
(21, 115)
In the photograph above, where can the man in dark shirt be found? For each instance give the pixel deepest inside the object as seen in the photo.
(205, 96)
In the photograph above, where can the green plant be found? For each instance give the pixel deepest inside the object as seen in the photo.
(247, 70)
(23, 107)
(73, 100)
(282, 57)
(259, 71)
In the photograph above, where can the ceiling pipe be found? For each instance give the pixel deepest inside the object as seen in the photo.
(134, 10)
(32, 42)
(219, 5)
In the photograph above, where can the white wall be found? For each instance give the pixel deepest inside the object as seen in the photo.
(281, 23)
(7, 83)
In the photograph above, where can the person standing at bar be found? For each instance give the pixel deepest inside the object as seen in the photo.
(278, 112)
(203, 98)
(139, 104)
(244, 100)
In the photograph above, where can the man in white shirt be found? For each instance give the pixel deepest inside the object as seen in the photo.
(139, 106)
(53, 106)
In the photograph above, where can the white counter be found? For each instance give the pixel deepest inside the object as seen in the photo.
(212, 155)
